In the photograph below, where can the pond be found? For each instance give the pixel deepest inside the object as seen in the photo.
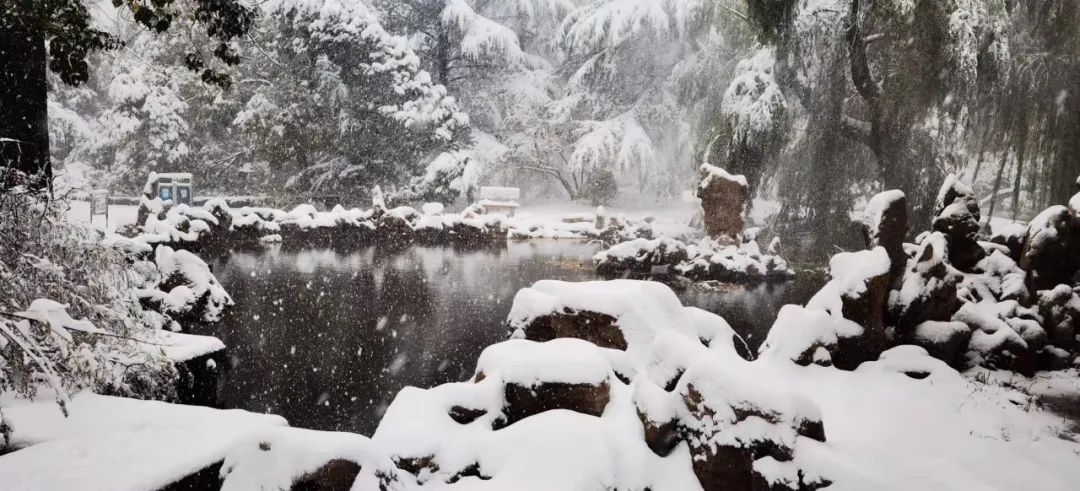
(327, 338)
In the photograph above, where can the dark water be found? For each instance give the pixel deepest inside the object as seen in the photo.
(327, 338)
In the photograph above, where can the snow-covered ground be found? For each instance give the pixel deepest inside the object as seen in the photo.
(113, 443)
(119, 215)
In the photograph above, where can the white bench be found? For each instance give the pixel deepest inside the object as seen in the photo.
(499, 200)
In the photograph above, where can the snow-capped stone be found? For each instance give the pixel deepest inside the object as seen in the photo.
(723, 201)
(885, 221)
(1046, 250)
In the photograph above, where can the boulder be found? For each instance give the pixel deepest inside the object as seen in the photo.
(299, 459)
(661, 436)
(946, 341)
(1012, 236)
(867, 309)
(723, 201)
(1046, 249)
(886, 222)
(616, 314)
(1054, 358)
(523, 401)
(860, 287)
(582, 382)
(1060, 311)
(396, 225)
(594, 327)
(928, 288)
(957, 217)
(640, 256)
(736, 444)
(335, 475)
(1000, 339)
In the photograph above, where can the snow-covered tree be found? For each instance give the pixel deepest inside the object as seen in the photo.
(66, 25)
(326, 100)
(895, 79)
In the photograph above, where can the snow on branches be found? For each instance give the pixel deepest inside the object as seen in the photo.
(754, 104)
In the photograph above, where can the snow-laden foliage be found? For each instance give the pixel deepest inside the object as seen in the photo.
(70, 317)
(480, 37)
(753, 103)
(575, 92)
(449, 175)
(326, 100)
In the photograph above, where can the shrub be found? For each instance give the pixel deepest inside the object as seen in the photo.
(43, 256)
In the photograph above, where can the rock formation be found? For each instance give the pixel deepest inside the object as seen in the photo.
(723, 201)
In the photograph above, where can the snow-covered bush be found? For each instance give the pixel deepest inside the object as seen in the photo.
(69, 312)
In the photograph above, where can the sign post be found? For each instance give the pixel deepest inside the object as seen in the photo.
(99, 205)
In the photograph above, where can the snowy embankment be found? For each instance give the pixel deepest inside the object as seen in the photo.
(215, 222)
(114, 443)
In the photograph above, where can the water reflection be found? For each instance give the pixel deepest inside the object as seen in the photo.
(327, 338)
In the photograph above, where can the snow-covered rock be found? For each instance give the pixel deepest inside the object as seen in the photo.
(189, 288)
(294, 458)
(957, 218)
(886, 222)
(723, 201)
(677, 409)
(1047, 248)
(114, 443)
(618, 314)
(707, 260)
(843, 323)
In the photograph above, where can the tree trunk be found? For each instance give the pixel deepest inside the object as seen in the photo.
(24, 125)
(997, 182)
(1019, 171)
(442, 53)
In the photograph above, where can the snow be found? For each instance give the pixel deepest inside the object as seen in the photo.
(1044, 227)
(753, 101)
(708, 259)
(849, 273)
(798, 329)
(935, 332)
(528, 363)
(876, 207)
(481, 37)
(195, 276)
(113, 443)
(641, 308)
(952, 182)
(713, 172)
(275, 457)
(181, 347)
